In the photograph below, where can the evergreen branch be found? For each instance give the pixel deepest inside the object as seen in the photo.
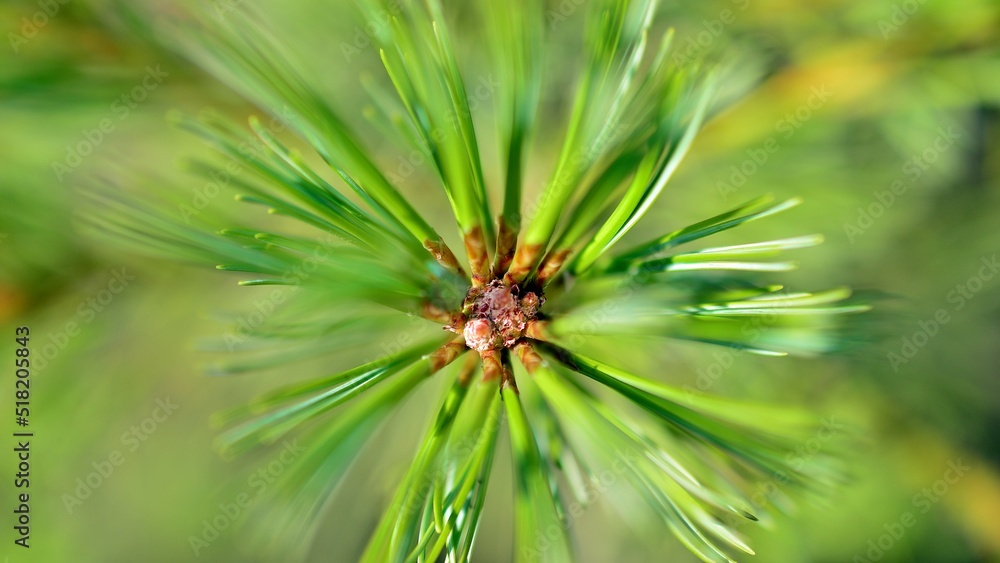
(353, 261)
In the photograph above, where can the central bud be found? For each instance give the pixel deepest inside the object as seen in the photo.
(497, 315)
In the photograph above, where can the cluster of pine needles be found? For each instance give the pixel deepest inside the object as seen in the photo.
(542, 280)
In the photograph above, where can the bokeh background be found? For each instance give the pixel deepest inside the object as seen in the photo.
(883, 115)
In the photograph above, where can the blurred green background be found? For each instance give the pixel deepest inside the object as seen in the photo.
(884, 116)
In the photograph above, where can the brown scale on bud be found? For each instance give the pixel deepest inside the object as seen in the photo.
(507, 378)
(479, 258)
(506, 245)
(445, 355)
(530, 304)
(524, 262)
(492, 368)
(537, 330)
(444, 256)
(498, 315)
(551, 265)
(529, 357)
(440, 315)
